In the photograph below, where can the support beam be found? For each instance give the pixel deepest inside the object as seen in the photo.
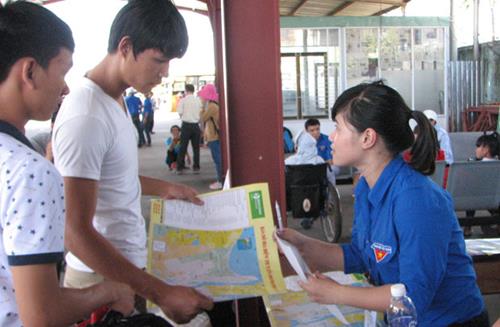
(253, 107)
(253, 93)
(47, 2)
(216, 15)
(383, 11)
(198, 11)
(294, 10)
(340, 8)
(384, 2)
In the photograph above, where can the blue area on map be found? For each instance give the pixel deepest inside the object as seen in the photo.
(315, 322)
(243, 257)
(242, 260)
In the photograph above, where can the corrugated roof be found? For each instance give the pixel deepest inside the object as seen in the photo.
(338, 7)
(318, 8)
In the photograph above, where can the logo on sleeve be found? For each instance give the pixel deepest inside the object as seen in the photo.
(381, 251)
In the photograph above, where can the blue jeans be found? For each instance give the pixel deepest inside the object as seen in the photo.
(215, 150)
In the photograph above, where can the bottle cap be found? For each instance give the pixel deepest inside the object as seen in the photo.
(398, 290)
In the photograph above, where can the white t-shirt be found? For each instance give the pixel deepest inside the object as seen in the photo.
(31, 217)
(307, 152)
(189, 109)
(94, 138)
(444, 143)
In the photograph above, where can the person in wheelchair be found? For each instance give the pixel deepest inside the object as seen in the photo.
(310, 194)
(307, 154)
(324, 146)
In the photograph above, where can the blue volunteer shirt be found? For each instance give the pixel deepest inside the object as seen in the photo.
(148, 106)
(133, 105)
(405, 231)
(324, 146)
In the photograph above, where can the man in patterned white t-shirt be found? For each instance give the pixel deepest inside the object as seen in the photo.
(36, 53)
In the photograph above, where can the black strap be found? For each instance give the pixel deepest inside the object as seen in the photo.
(11, 130)
(215, 126)
(116, 319)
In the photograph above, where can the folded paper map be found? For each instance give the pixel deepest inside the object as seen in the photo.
(223, 248)
(294, 308)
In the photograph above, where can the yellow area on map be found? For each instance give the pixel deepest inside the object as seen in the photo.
(294, 308)
(225, 264)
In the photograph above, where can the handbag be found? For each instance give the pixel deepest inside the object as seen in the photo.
(116, 319)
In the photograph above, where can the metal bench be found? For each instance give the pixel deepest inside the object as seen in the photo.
(475, 185)
(438, 176)
(463, 144)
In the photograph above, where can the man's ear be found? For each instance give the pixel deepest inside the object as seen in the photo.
(125, 47)
(369, 138)
(29, 69)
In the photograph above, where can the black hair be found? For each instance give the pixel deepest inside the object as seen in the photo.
(30, 30)
(311, 122)
(54, 116)
(426, 146)
(189, 88)
(175, 126)
(378, 106)
(491, 141)
(150, 24)
(416, 131)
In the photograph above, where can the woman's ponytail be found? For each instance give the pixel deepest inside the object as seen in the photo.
(425, 148)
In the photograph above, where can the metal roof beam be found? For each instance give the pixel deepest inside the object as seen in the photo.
(294, 10)
(198, 11)
(386, 10)
(340, 8)
(384, 2)
(47, 2)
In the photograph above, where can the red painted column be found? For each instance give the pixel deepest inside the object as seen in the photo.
(253, 93)
(247, 47)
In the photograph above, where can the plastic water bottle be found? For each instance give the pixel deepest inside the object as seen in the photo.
(401, 312)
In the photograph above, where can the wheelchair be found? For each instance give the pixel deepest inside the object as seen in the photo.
(309, 195)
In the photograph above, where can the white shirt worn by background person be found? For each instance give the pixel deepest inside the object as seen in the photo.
(94, 138)
(307, 152)
(444, 143)
(189, 109)
(31, 217)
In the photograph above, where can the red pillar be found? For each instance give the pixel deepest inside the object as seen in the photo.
(247, 48)
(247, 52)
(253, 91)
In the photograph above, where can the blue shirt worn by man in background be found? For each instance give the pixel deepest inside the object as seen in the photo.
(324, 146)
(148, 106)
(323, 143)
(134, 105)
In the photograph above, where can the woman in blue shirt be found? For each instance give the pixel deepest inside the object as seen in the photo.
(405, 229)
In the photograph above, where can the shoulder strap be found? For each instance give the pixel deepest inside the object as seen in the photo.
(9, 129)
(215, 126)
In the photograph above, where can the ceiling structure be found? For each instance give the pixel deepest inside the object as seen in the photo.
(318, 8)
(323, 8)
